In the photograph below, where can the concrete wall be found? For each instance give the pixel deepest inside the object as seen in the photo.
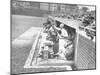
(44, 6)
(53, 7)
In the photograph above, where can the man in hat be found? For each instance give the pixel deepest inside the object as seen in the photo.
(63, 35)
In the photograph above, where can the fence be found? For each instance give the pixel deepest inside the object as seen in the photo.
(86, 53)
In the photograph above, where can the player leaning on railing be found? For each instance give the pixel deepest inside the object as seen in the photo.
(65, 45)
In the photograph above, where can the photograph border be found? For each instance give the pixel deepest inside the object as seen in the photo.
(49, 71)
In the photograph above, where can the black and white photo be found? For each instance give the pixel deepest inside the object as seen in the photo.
(52, 37)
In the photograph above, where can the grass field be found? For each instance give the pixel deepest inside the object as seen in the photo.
(20, 52)
(22, 23)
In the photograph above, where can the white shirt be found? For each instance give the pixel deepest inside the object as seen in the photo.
(63, 33)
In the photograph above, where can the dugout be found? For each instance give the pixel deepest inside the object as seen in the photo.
(84, 48)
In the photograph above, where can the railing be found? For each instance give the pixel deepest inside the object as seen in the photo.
(88, 28)
(36, 50)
